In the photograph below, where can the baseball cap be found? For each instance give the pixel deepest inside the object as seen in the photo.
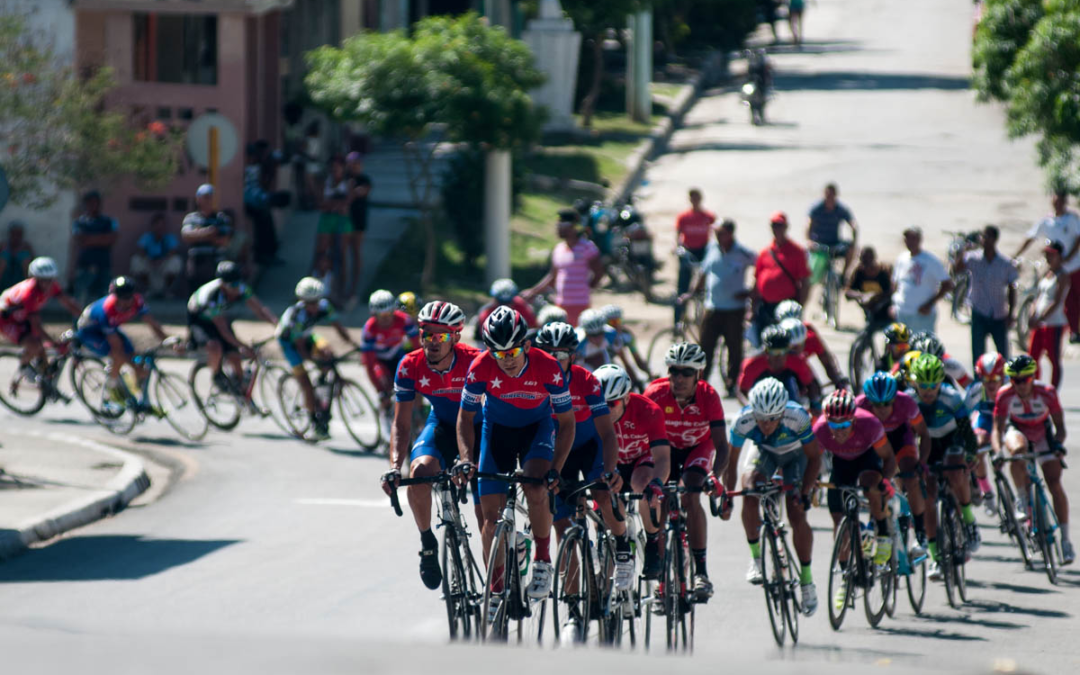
(778, 218)
(204, 190)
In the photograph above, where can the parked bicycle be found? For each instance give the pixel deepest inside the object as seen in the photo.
(223, 406)
(1026, 298)
(29, 388)
(866, 351)
(852, 569)
(1042, 522)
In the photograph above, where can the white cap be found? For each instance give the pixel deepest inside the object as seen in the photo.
(204, 190)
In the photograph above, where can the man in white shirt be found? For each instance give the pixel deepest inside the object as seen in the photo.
(920, 281)
(1062, 225)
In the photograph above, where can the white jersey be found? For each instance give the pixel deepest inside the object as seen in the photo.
(794, 431)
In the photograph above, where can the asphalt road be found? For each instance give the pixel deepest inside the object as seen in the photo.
(272, 555)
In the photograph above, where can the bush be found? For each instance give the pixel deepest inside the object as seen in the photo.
(463, 198)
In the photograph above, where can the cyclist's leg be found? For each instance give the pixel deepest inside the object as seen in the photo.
(762, 466)
(33, 349)
(496, 456)
(641, 471)
(1051, 468)
(960, 480)
(793, 465)
(695, 469)
(424, 460)
(535, 464)
(907, 461)
(1017, 444)
(578, 462)
(290, 349)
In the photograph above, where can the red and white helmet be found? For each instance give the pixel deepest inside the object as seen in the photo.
(990, 366)
(839, 406)
(442, 314)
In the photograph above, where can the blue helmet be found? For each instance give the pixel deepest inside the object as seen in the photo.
(880, 388)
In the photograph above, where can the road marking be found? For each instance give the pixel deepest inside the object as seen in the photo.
(363, 503)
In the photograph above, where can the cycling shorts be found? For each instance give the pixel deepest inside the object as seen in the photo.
(584, 465)
(698, 459)
(627, 470)
(98, 343)
(1013, 435)
(440, 441)
(903, 442)
(503, 449)
(946, 445)
(791, 465)
(14, 331)
(846, 472)
(203, 331)
(288, 348)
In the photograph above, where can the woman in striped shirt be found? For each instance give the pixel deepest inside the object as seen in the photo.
(575, 268)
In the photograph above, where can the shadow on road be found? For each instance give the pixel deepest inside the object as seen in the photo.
(95, 558)
(968, 620)
(938, 634)
(1015, 588)
(990, 606)
(998, 558)
(169, 441)
(865, 81)
(815, 47)
(269, 436)
(687, 148)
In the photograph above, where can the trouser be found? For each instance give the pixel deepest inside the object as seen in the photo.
(265, 245)
(726, 324)
(686, 273)
(1072, 303)
(982, 326)
(1047, 340)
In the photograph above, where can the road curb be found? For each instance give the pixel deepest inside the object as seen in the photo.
(130, 482)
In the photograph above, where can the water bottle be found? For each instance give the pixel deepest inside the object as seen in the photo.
(524, 547)
(869, 539)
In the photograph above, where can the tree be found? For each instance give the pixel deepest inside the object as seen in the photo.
(455, 79)
(59, 134)
(593, 18)
(1002, 32)
(718, 24)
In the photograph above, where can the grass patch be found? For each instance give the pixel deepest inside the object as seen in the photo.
(667, 89)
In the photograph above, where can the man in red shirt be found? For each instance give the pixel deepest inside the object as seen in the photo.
(781, 273)
(692, 227)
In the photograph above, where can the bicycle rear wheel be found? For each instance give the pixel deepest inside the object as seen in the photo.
(359, 415)
(269, 402)
(22, 394)
(793, 605)
(663, 339)
(862, 359)
(291, 400)
(842, 568)
(572, 589)
(1023, 321)
(1046, 535)
(948, 553)
(496, 625)
(217, 405)
(772, 583)
(831, 297)
(171, 394)
(112, 414)
(1006, 506)
(961, 310)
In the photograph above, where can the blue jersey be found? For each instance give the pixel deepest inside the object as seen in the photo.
(105, 315)
(794, 432)
(518, 401)
(942, 415)
(442, 389)
(588, 350)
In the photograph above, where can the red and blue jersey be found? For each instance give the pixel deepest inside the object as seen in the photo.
(518, 401)
(386, 343)
(441, 389)
(587, 403)
(105, 315)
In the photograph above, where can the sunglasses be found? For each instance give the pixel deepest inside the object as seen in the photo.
(927, 385)
(769, 418)
(512, 353)
(562, 354)
(995, 378)
(839, 425)
(436, 337)
(682, 372)
(776, 352)
(1023, 379)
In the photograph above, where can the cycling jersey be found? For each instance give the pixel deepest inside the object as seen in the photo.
(813, 345)
(523, 308)
(588, 351)
(25, 299)
(587, 404)
(688, 426)
(943, 415)
(296, 322)
(516, 401)
(209, 300)
(442, 389)
(866, 432)
(640, 429)
(794, 432)
(1030, 417)
(956, 370)
(905, 411)
(796, 375)
(103, 316)
(387, 344)
(982, 407)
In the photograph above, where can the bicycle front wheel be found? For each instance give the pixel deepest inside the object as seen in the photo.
(1006, 506)
(270, 375)
(455, 588)
(23, 393)
(663, 339)
(171, 394)
(862, 360)
(1023, 321)
(675, 593)
(502, 566)
(359, 415)
(916, 576)
(773, 584)
(570, 613)
(842, 568)
(950, 553)
(793, 602)
(218, 405)
(876, 593)
(961, 310)
(831, 298)
(1046, 536)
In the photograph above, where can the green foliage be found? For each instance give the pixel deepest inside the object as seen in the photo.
(58, 134)
(592, 18)
(463, 198)
(722, 24)
(1002, 32)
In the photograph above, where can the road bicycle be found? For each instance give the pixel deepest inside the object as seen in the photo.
(1042, 523)
(1007, 505)
(1026, 298)
(674, 596)
(461, 575)
(255, 395)
(832, 284)
(952, 541)
(911, 567)
(866, 351)
(30, 387)
(852, 568)
(961, 243)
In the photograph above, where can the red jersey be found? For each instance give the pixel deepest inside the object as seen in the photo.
(640, 429)
(523, 308)
(516, 401)
(813, 345)
(26, 298)
(442, 389)
(585, 398)
(1028, 416)
(756, 368)
(386, 343)
(690, 426)
(692, 228)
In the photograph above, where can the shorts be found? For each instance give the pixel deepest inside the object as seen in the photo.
(584, 465)
(847, 471)
(440, 441)
(202, 331)
(14, 331)
(902, 440)
(698, 459)
(627, 470)
(946, 445)
(334, 223)
(838, 249)
(292, 354)
(796, 6)
(791, 465)
(1013, 435)
(503, 449)
(95, 340)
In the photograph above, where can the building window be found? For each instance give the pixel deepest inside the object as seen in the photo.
(176, 48)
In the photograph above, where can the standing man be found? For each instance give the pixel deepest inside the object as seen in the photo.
(780, 273)
(920, 281)
(993, 294)
(823, 227)
(206, 233)
(1063, 225)
(723, 279)
(576, 269)
(692, 230)
(92, 237)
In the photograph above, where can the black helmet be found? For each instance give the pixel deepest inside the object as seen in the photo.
(123, 287)
(557, 335)
(229, 272)
(504, 329)
(775, 339)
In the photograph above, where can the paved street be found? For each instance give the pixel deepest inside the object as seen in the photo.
(266, 549)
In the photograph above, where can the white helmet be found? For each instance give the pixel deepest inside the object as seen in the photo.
(504, 290)
(788, 309)
(439, 313)
(614, 381)
(611, 312)
(382, 301)
(310, 288)
(43, 268)
(592, 322)
(795, 329)
(551, 314)
(768, 398)
(685, 354)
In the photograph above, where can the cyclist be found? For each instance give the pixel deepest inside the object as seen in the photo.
(298, 341)
(598, 343)
(385, 339)
(596, 450)
(644, 451)
(551, 314)
(897, 343)
(1023, 412)
(520, 389)
(902, 370)
(409, 303)
(209, 324)
(694, 420)
(20, 310)
(437, 372)
(99, 332)
(823, 227)
(955, 372)
(504, 292)
(779, 363)
(951, 442)
(613, 314)
(803, 346)
(784, 437)
(902, 420)
(814, 346)
(990, 377)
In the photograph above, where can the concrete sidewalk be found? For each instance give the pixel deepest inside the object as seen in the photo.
(53, 482)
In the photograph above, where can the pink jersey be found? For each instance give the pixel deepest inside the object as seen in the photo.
(866, 433)
(905, 411)
(26, 298)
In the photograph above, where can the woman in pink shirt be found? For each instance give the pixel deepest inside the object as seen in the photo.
(575, 269)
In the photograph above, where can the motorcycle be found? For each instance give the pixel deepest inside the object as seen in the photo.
(631, 262)
(755, 92)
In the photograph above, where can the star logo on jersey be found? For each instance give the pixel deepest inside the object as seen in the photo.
(556, 378)
(472, 376)
(596, 388)
(404, 370)
(496, 383)
(424, 381)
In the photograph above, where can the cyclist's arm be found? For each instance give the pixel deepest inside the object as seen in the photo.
(923, 432)
(608, 441)
(998, 432)
(344, 334)
(155, 326)
(598, 271)
(1059, 426)
(639, 360)
(255, 305)
(370, 365)
(36, 329)
(854, 225)
(401, 433)
(540, 286)
(226, 330)
(661, 453)
(828, 362)
(466, 435)
(813, 392)
(813, 466)
(719, 441)
(564, 439)
(69, 304)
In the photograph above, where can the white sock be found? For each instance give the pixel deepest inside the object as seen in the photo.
(1065, 532)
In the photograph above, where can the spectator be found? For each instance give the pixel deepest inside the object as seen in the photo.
(239, 247)
(15, 255)
(780, 273)
(93, 236)
(360, 184)
(207, 234)
(920, 280)
(871, 287)
(692, 230)
(1063, 225)
(1049, 320)
(335, 229)
(795, 20)
(312, 159)
(156, 264)
(575, 269)
(993, 294)
(823, 227)
(723, 279)
(258, 184)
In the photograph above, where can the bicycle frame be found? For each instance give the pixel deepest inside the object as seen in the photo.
(1043, 521)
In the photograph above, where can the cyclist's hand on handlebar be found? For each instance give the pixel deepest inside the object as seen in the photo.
(390, 480)
(654, 491)
(614, 480)
(807, 503)
(553, 480)
(463, 472)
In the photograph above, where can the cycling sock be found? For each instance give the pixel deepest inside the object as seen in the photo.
(805, 575)
(543, 544)
(622, 543)
(652, 538)
(428, 540)
(882, 528)
(920, 526)
(932, 547)
(985, 486)
(699, 560)
(755, 549)
(1064, 531)
(968, 514)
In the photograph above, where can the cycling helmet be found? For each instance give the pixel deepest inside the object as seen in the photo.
(439, 313)
(897, 333)
(906, 363)
(928, 369)
(504, 290)
(768, 398)
(1021, 365)
(990, 366)
(592, 322)
(839, 406)
(928, 343)
(123, 287)
(788, 309)
(880, 388)
(381, 301)
(795, 329)
(775, 339)
(685, 355)
(43, 268)
(614, 382)
(229, 272)
(611, 313)
(504, 329)
(310, 289)
(557, 335)
(551, 314)
(408, 303)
